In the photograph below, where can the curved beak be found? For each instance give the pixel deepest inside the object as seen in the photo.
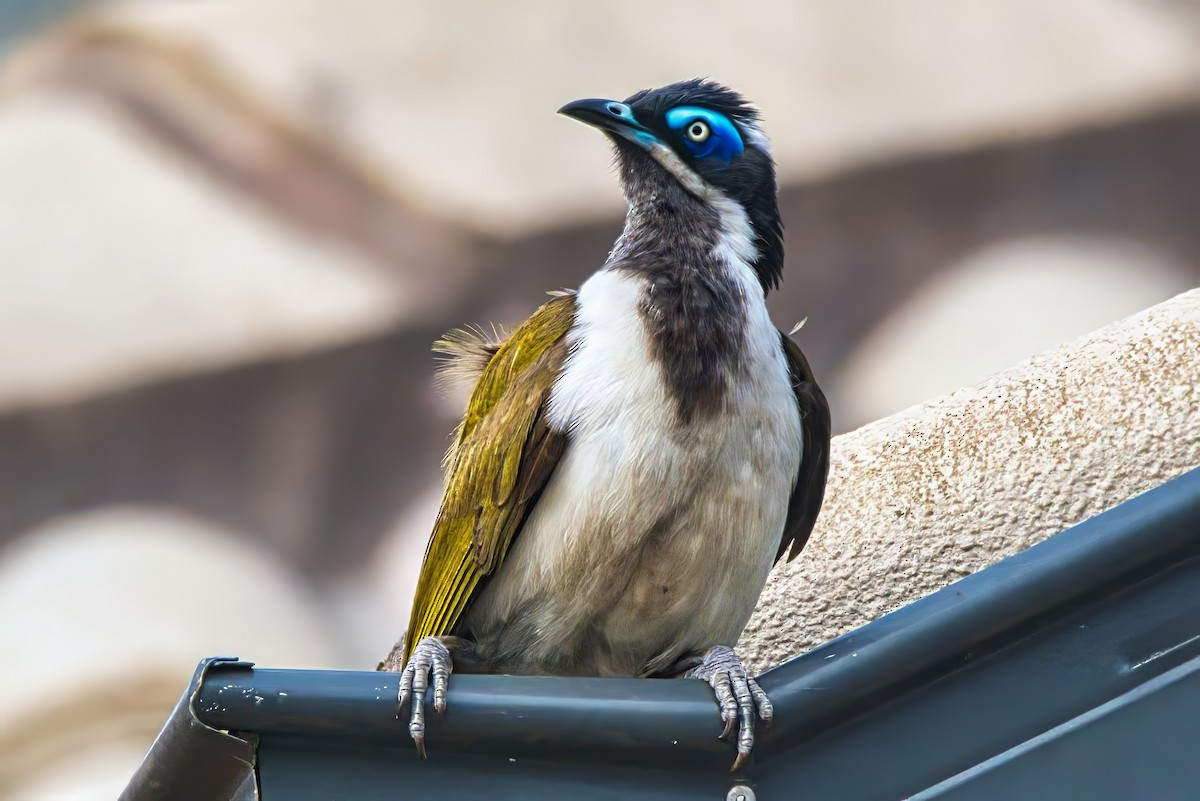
(611, 117)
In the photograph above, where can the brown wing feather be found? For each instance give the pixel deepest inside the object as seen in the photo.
(809, 491)
(504, 454)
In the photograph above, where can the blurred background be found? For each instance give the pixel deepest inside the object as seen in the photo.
(230, 230)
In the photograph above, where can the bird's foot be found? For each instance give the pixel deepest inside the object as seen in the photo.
(739, 696)
(431, 658)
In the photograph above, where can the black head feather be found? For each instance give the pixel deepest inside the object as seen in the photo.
(748, 178)
(651, 104)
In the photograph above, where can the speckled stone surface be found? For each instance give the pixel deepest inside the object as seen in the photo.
(920, 499)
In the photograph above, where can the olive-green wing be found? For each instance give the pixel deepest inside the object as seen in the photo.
(809, 491)
(504, 452)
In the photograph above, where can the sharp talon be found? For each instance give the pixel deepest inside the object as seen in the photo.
(742, 702)
(429, 659)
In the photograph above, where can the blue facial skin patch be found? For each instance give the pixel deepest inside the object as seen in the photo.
(723, 143)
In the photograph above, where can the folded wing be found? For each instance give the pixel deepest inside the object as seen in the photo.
(809, 491)
(503, 455)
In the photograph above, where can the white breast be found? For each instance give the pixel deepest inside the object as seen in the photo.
(657, 537)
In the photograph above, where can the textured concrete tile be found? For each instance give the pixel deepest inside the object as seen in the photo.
(925, 497)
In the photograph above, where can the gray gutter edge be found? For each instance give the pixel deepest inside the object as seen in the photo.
(191, 761)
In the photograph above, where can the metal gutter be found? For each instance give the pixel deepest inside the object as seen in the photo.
(191, 761)
(922, 695)
(1103, 753)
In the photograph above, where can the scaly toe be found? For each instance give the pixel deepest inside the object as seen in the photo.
(430, 657)
(741, 700)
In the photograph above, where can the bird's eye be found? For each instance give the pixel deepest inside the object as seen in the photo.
(697, 131)
(706, 134)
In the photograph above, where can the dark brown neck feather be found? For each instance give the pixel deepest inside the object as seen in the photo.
(693, 309)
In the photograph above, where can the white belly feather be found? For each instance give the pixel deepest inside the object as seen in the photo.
(688, 519)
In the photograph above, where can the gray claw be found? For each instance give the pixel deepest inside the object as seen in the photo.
(739, 696)
(429, 657)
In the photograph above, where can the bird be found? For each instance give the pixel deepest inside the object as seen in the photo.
(637, 455)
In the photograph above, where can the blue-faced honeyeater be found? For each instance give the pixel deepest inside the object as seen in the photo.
(638, 453)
